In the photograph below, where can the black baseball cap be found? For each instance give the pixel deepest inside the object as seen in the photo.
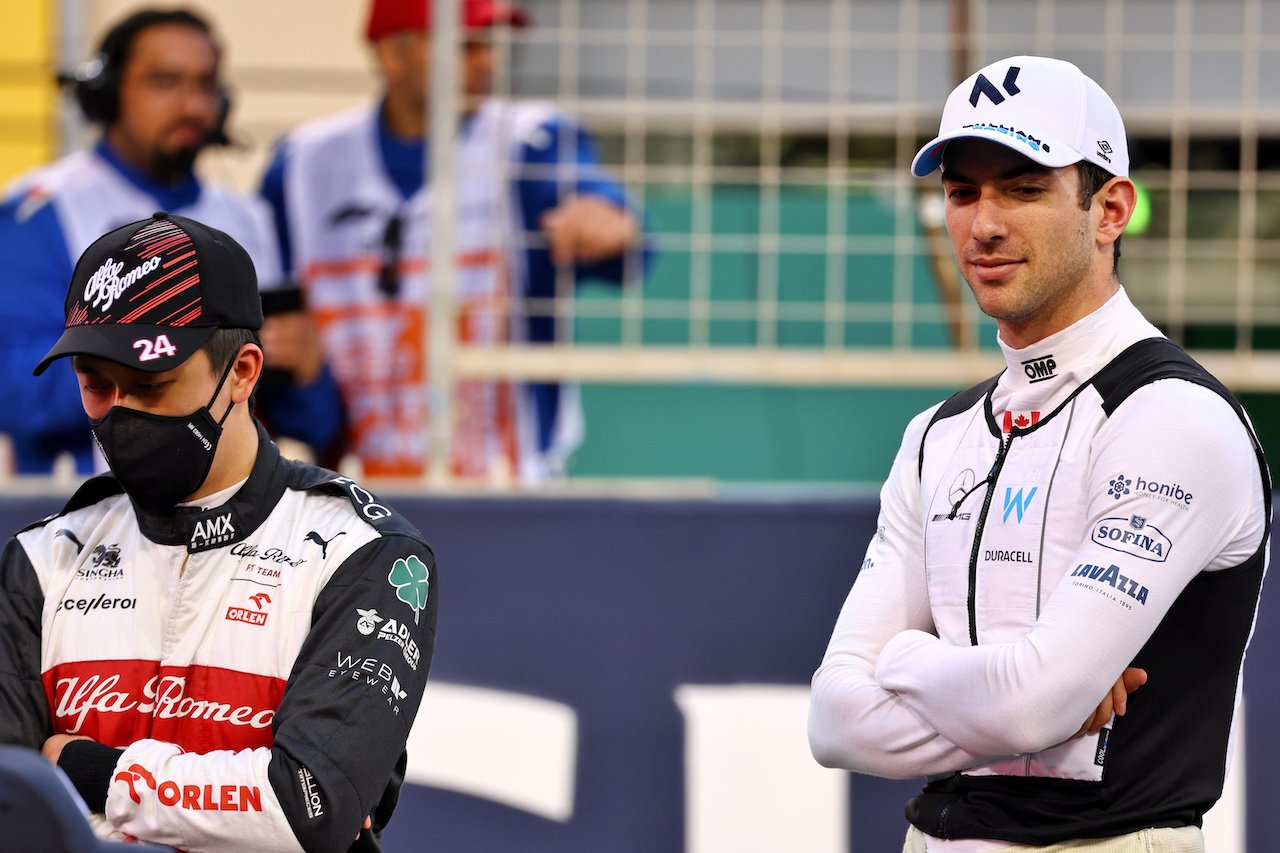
(149, 294)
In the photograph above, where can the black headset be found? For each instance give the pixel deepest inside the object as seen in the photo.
(96, 82)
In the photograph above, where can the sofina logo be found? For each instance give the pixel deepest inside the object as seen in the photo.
(409, 577)
(1015, 501)
(1133, 536)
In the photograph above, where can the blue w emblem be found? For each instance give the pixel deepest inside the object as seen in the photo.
(1012, 502)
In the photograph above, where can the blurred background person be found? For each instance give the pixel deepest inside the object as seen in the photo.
(154, 88)
(352, 206)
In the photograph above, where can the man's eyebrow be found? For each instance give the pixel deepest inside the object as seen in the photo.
(1022, 170)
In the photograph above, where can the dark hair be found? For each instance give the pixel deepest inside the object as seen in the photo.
(97, 85)
(1092, 179)
(226, 345)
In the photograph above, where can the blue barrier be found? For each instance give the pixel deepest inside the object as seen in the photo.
(608, 606)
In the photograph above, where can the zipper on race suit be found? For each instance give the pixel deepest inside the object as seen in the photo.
(170, 639)
(977, 538)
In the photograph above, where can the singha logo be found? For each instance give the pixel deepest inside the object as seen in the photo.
(106, 557)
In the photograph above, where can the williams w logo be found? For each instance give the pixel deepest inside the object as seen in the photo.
(983, 86)
(1017, 502)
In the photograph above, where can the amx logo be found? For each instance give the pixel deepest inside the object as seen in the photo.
(1017, 502)
(211, 531)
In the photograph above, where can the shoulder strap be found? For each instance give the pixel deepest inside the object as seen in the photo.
(1154, 359)
(960, 402)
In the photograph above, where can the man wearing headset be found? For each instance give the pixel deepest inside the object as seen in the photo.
(154, 89)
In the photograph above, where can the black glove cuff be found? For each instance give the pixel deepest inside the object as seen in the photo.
(89, 765)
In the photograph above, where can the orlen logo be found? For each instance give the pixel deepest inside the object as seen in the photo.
(260, 600)
(162, 697)
(228, 798)
(106, 284)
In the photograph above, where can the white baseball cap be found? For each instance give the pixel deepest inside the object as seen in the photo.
(1045, 109)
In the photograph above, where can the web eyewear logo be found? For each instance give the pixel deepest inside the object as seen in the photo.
(1119, 486)
(410, 578)
(1017, 502)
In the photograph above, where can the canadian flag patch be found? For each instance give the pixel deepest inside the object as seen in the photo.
(1021, 420)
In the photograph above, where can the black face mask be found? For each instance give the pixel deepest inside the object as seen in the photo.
(160, 459)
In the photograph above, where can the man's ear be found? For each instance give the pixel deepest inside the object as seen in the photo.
(1118, 197)
(246, 372)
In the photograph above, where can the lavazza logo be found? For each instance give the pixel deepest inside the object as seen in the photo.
(162, 697)
(106, 285)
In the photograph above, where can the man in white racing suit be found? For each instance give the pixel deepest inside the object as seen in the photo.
(224, 650)
(1091, 521)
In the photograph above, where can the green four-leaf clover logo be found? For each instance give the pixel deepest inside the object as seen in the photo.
(409, 577)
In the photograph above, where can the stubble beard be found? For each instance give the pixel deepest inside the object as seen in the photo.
(1052, 285)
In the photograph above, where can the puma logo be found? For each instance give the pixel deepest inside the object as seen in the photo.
(315, 537)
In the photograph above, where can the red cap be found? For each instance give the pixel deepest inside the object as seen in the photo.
(389, 16)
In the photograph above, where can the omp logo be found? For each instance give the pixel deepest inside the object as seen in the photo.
(1133, 536)
(1016, 502)
(1111, 576)
(1040, 369)
(106, 284)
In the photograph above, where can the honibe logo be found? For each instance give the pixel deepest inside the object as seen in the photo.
(1119, 486)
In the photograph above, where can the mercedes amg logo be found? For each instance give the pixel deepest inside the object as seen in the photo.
(962, 485)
